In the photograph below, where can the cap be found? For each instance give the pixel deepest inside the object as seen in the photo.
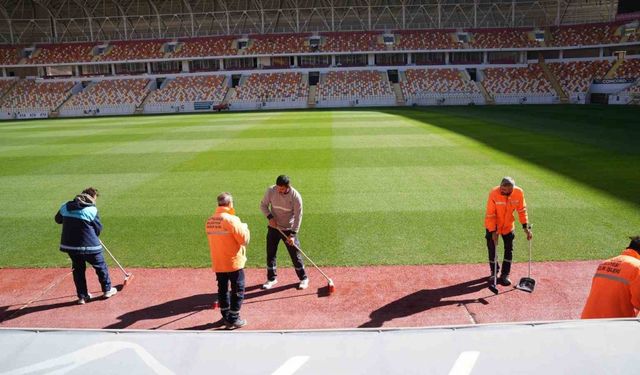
(508, 181)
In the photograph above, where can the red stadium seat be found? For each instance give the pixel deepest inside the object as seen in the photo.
(350, 85)
(421, 82)
(33, 95)
(190, 89)
(202, 47)
(110, 93)
(62, 53)
(134, 50)
(522, 81)
(286, 87)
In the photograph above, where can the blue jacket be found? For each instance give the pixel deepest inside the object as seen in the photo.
(80, 227)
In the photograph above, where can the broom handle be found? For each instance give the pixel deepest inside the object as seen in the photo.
(529, 258)
(114, 258)
(305, 255)
(495, 262)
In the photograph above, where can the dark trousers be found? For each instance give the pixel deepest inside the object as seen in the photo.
(507, 239)
(230, 305)
(79, 267)
(273, 239)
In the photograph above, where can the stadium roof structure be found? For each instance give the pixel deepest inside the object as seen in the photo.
(54, 21)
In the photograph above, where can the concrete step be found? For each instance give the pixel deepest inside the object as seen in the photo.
(487, 96)
(400, 100)
(564, 98)
(311, 101)
(614, 68)
(231, 93)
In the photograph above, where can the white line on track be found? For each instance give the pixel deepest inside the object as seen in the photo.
(97, 352)
(465, 363)
(292, 365)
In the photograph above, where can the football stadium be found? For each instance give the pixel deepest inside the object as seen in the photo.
(319, 186)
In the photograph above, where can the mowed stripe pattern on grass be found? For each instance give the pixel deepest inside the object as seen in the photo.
(401, 186)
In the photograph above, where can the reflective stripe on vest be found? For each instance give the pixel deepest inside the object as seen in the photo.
(614, 278)
(82, 248)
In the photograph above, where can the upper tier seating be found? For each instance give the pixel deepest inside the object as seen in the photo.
(368, 41)
(63, 53)
(28, 94)
(426, 39)
(502, 38)
(10, 55)
(424, 82)
(575, 77)
(609, 36)
(269, 87)
(202, 47)
(190, 89)
(353, 85)
(529, 80)
(134, 50)
(278, 44)
(351, 42)
(580, 35)
(110, 93)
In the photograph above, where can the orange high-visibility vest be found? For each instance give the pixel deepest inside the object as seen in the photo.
(227, 237)
(500, 209)
(615, 289)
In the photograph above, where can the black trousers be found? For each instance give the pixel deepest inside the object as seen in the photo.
(507, 239)
(273, 239)
(79, 267)
(230, 304)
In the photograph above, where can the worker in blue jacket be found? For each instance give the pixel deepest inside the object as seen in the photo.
(80, 230)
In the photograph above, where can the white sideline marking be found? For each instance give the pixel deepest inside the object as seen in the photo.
(465, 363)
(292, 365)
(92, 353)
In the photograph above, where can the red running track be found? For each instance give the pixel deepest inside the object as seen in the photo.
(393, 296)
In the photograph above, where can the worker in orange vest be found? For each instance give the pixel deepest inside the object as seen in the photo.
(228, 238)
(615, 289)
(499, 221)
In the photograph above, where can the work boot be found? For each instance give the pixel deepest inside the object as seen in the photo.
(269, 284)
(504, 280)
(304, 284)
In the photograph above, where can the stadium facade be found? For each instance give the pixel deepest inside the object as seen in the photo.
(87, 58)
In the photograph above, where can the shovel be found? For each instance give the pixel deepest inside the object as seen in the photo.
(527, 284)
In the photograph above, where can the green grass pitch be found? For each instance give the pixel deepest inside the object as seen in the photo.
(380, 186)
